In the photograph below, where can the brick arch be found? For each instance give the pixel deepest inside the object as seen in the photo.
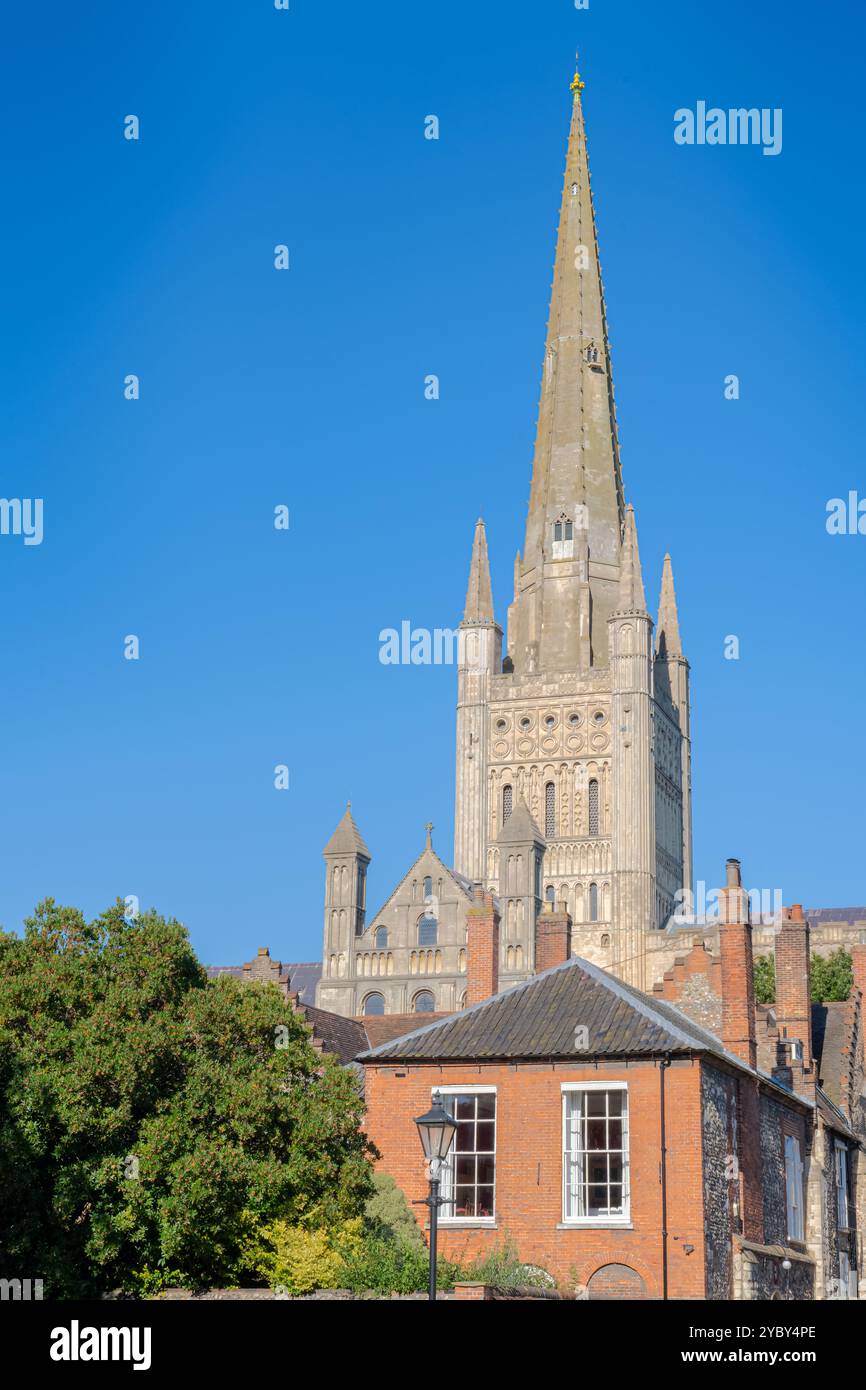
(616, 1283)
(593, 1263)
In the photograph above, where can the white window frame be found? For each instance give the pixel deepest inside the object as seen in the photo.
(796, 1223)
(622, 1218)
(843, 1198)
(445, 1172)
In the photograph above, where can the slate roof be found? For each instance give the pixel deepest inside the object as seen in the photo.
(852, 916)
(538, 1018)
(343, 1037)
(303, 976)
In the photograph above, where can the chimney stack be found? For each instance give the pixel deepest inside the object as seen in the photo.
(858, 969)
(482, 948)
(858, 964)
(552, 937)
(793, 992)
(738, 984)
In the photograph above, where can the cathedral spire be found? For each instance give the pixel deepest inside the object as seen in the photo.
(576, 478)
(479, 595)
(668, 632)
(631, 597)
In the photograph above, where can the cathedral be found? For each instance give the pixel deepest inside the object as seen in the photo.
(573, 757)
(573, 784)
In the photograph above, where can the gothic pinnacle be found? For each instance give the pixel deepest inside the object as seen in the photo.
(668, 634)
(479, 594)
(631, 597)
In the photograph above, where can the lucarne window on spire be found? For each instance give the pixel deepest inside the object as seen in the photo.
(563, 537)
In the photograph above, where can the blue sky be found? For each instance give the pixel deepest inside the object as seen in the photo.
(408, 257)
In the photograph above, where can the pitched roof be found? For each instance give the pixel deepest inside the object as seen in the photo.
(338, 1035)
(540, 1017)
(303, 976)
(383, 1028)
(520, 827)
(347, 838)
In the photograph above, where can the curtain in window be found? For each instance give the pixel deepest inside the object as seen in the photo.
(595, 1160)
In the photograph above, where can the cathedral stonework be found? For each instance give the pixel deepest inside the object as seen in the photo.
(586, 720)
(573, 769)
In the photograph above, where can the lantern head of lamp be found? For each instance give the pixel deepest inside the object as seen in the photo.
(436, 1130)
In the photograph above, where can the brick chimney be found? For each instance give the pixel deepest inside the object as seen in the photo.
(793, 1008)
(858, 967)
(552, 937)
(482, 948)
(858, 964)
(738, 984)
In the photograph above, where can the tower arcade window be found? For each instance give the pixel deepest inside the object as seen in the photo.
(550, 811)
(593, 807)
(593, 902)
(550, 893)
(507, 803)
(428, 930)
(428, 889)
(374, 1006)
(423, 1003)
(381, 938)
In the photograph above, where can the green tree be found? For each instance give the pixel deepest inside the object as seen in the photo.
(765, 980)
(831, 977)
(149, 1118)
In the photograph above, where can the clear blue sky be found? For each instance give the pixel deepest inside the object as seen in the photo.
(409, 257)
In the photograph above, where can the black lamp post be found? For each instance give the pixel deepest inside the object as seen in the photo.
(436, 1130)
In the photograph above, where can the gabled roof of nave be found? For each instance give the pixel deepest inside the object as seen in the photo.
(427, 857)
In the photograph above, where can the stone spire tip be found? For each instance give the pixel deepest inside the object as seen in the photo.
(668, 642)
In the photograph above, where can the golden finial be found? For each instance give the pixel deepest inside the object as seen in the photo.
(577, 85)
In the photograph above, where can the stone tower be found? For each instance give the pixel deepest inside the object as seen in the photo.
(346, 862)
(586, 720)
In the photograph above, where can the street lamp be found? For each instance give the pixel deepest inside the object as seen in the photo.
(436, 1131)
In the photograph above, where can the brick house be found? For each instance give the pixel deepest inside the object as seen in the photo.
(684, 1144)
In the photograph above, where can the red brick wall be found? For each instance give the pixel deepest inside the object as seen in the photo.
(793, 1002)
(529, 1166)
(738, 990)
(552, 940)
(482, 950)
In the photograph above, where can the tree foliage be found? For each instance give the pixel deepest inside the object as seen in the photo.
(149, 1118)
(831, 977)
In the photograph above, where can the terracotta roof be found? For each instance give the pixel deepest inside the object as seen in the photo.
(384, 1027)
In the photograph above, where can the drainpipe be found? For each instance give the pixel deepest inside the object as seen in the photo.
(663, 1066)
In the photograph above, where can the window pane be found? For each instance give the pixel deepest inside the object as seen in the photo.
(464, 1108)
(485, 1202)
(464, 1169)
(597, 1200)
(486, 1165)
(485, 1136)
(464, 1141)
(486, 1107)
(465, 1202)
(596, 1135)
(596, 1103)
